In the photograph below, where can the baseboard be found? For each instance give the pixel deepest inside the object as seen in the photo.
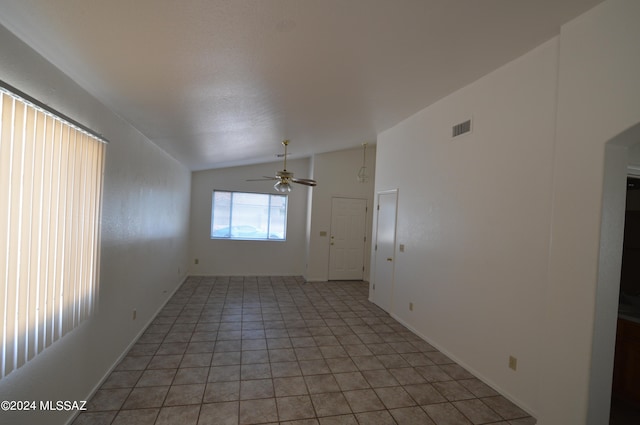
(474, 372)
(126, 350)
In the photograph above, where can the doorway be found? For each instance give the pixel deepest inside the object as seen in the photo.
(609, 271)
(385, 245)
(625, 400)
(346, 249)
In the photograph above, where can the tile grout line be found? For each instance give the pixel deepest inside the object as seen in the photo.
(300, 310)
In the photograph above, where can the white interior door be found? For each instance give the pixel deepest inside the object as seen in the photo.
(385, 249)
(346, 250)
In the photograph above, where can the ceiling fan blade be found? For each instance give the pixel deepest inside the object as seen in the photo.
(284, 177)
(306, 182)
(265, 178)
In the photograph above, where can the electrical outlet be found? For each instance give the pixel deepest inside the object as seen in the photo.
(410, 306)
(401, 247)
(513, 363)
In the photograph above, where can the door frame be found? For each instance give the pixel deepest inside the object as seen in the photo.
(616, 169)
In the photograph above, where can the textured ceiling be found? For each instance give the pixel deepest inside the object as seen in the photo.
(221, 82)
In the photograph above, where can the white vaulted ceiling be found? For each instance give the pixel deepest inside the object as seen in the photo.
(221, 82)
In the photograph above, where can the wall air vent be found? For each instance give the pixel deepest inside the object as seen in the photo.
(460, 129)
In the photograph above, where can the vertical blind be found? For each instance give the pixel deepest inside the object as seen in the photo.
(51, 175)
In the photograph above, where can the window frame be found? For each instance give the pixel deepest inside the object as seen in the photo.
(231, 224)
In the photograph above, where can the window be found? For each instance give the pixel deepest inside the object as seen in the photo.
(51, 174)
(252, 216)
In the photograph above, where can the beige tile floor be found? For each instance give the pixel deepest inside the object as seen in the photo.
(269, 350)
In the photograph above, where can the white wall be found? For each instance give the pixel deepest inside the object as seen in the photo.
(144, 242)
(634, 157)
(474, 216)
(510, 248)
(598, 98)
(248, 258)
(336, 174)
(305, 252)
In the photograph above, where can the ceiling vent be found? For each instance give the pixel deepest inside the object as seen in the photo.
(462, 128)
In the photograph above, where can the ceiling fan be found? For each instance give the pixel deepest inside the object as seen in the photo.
(285, 178)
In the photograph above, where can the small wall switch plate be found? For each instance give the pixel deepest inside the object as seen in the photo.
(196, 261)
(323, 233)
(513, 363)
(401, 247)
(135, 314)
(410, 306)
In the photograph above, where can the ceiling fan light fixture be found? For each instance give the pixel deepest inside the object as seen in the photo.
(282, 186)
